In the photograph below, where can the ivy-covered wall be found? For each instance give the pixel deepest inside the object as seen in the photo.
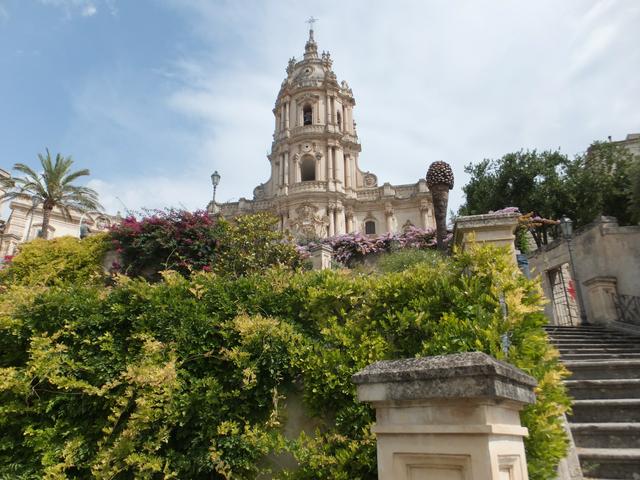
(188, 377)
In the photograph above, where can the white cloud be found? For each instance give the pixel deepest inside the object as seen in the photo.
(89, 10)
(84, 8)
(433, 81)
(4, 13)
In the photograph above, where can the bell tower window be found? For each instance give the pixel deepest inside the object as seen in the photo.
(308, 169)
(370, 227)
(307, 115)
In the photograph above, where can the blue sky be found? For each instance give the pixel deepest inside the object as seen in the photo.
(153, 95)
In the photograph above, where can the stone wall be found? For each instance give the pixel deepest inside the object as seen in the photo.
(603, 253)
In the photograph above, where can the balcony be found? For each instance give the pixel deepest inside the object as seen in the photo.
(308, 130)
(308, 187)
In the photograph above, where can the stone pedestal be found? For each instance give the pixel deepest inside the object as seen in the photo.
(448, 417)
(495, 228)
(601, 292)
(321, 257)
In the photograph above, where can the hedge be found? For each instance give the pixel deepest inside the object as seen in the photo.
(187, 377)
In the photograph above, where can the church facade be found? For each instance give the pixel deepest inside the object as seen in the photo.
(316, 186)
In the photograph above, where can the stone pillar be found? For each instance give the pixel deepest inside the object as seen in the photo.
(340, 220)
(285, 157)
(321, 257)
(601, 293)
(329, 163)
(495, 228)
(326, 109)
(279, 168)
(347, 171)
(448, 417)
(424, 214)
(286, 115)
(348, 215)
(332, 224)
(338, 164)
(388, 213)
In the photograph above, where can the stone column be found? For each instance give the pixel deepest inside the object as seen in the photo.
(388, 213)
(318, 157)
(448, 417)
(424, 214)
(340, 220)
(329, 163)
(326, 109)
(338, 164)
(279, 167)
(286, 168)
(347, 171)
(286, 115)
(332, 224)
(348, 215)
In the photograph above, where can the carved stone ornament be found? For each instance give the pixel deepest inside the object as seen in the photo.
(291, 65)
(388, 209)
(318, 156)
(258, 192)
(296, 157)
(424, 205)
(370, 180)
(408, 225)
(308, 223)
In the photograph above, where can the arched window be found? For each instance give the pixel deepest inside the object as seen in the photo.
(308, 169)
(370, 227)
(307, 115)
(339, 116)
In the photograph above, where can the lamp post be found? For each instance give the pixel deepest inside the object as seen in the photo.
(34, 203)
(566, 226)
(215, 180)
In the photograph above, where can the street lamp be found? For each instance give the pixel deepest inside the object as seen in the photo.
(566, 226)
(34, 203)
(215, 180)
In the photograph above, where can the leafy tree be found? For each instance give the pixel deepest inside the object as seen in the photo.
(599, 183)
(53, 188)
(549, 184)
(531, 180)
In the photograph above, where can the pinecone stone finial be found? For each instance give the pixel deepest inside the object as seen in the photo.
(440, 173)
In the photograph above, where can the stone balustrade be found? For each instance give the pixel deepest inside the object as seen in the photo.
(311, 186)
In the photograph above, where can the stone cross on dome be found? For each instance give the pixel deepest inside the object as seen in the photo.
(311, 21)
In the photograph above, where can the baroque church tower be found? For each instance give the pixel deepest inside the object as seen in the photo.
(316, 187)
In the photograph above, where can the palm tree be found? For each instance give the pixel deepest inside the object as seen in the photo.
(53, 188)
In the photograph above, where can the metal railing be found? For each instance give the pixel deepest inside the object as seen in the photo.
(628, 308)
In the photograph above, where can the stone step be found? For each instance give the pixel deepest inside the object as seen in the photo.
(604, 388)
(595, 344)
(613, 463)
(603, 369)
(629, 349)
(606, 435)
(586, 356)
(609, 410)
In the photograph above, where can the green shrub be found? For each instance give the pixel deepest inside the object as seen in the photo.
(61, 260)
(403, 259)
(185, 378)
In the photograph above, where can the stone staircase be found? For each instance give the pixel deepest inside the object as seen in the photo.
(605, 384)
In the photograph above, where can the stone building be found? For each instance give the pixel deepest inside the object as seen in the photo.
(316, 186)
(24, 223)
